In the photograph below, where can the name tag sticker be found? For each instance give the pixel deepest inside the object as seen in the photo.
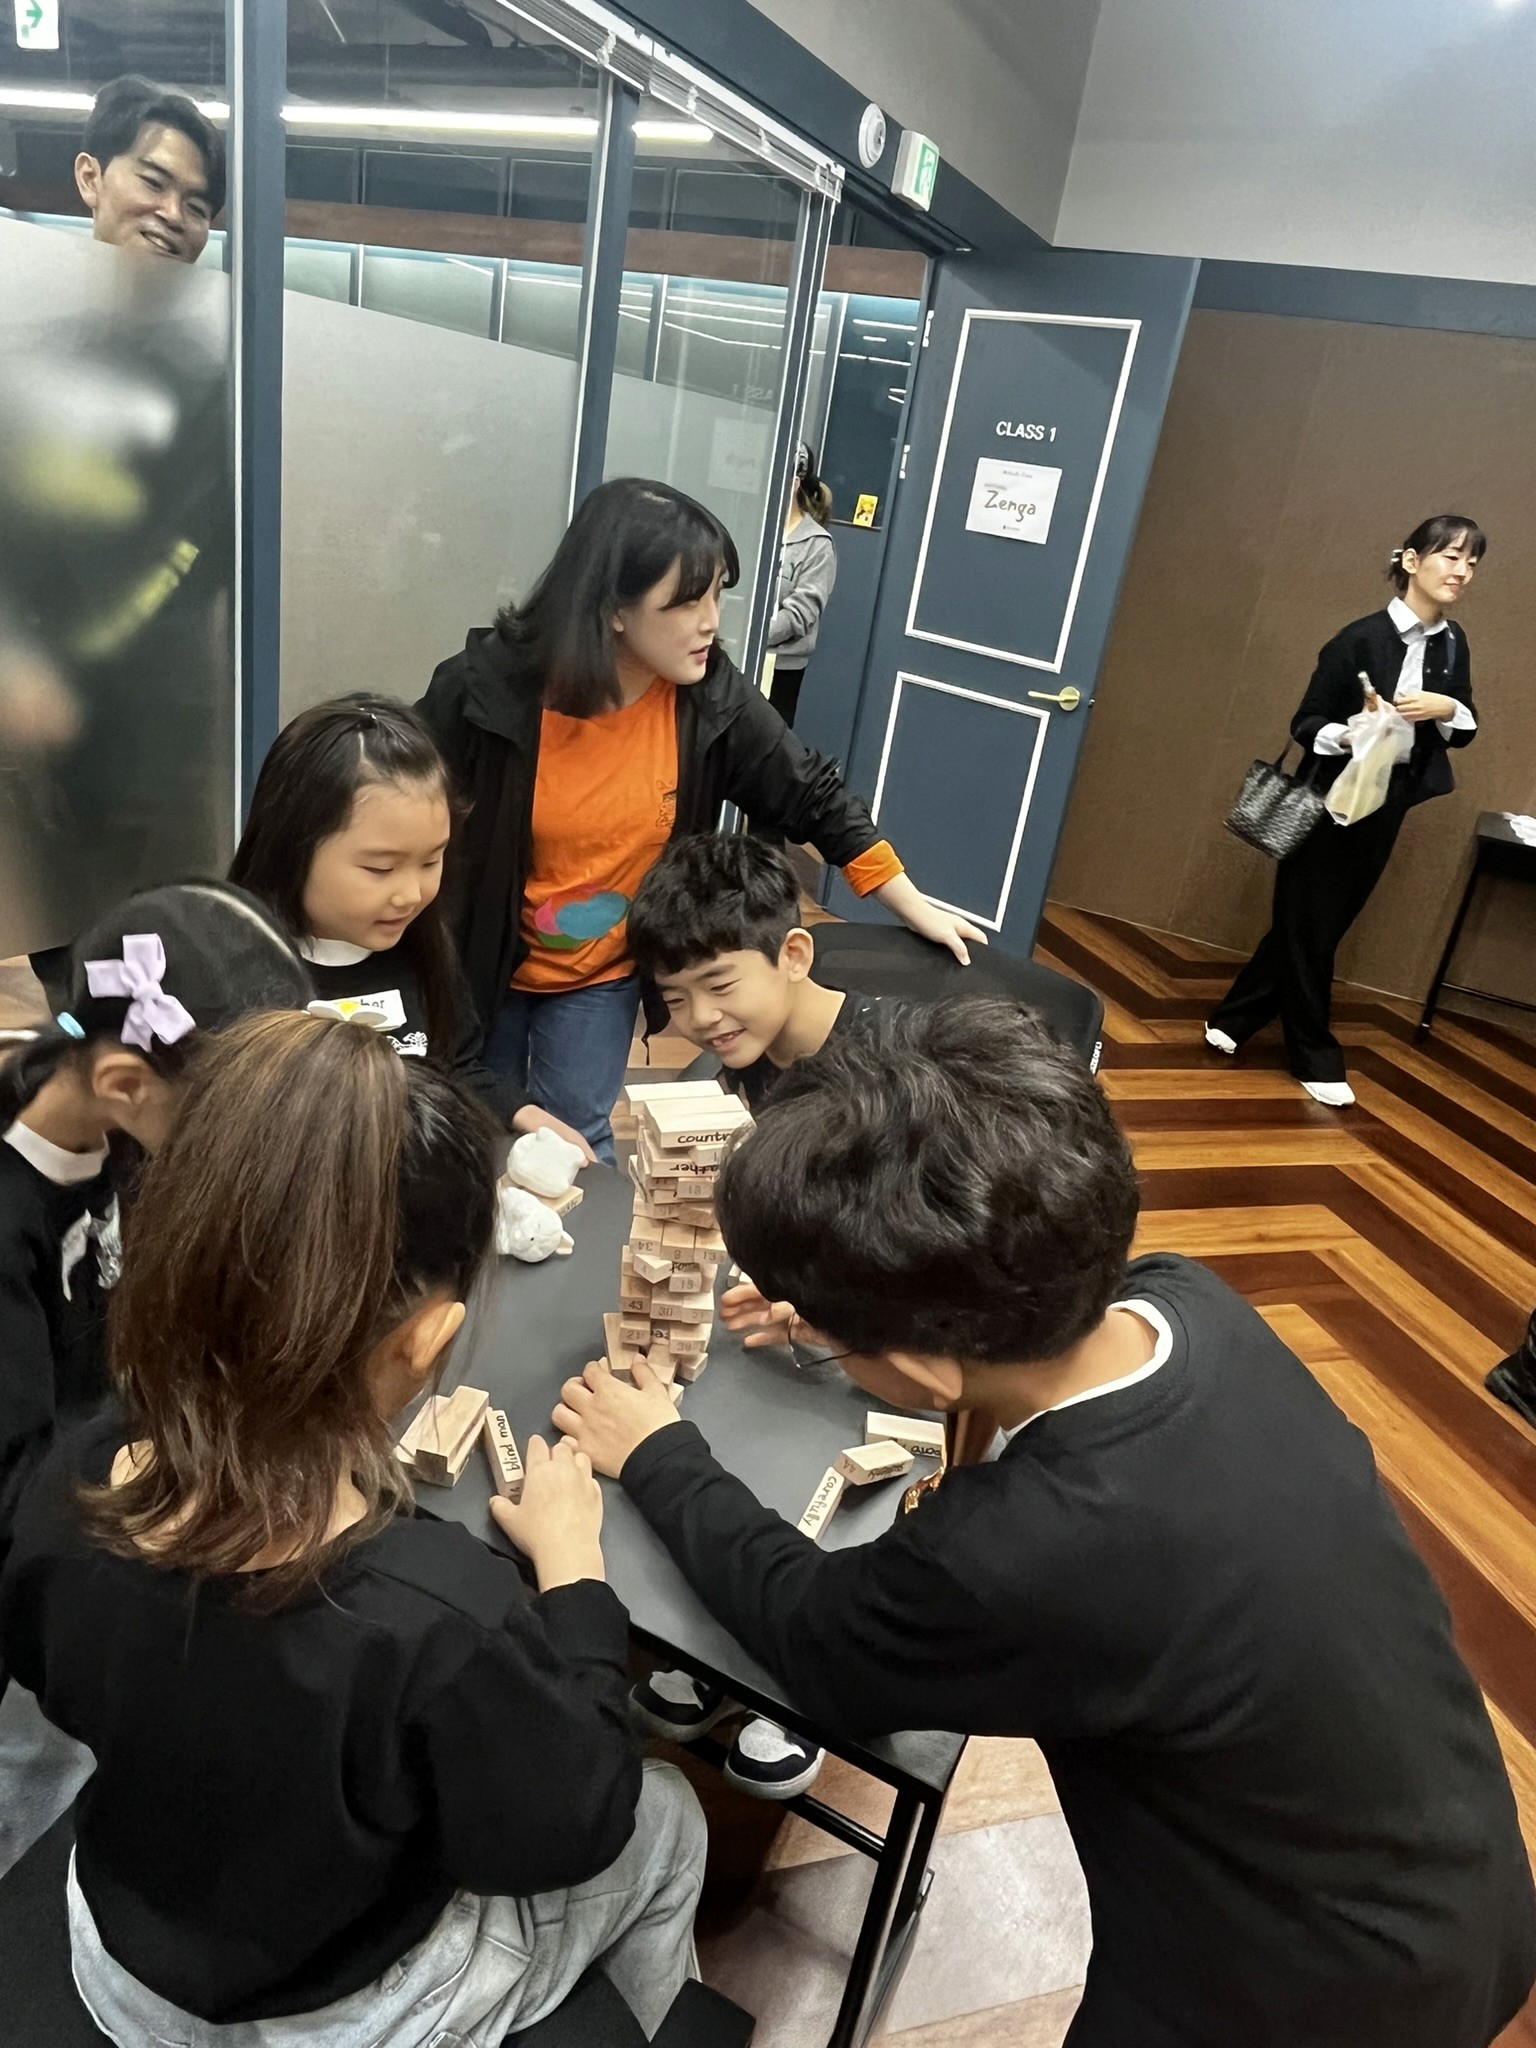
(1013, 499)
(383, 1012)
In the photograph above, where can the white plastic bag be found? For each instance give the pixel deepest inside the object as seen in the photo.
(1379, 739)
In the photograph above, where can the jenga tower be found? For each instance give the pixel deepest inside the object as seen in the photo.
(667, 1285)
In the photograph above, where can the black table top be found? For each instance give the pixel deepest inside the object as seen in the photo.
(1495, 826)
(775, 1426)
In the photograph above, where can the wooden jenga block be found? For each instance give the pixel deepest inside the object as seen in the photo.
(659, 1358)
(634, 1295)
(563, 1204)
(444, 1447)
(502, 1454)
(710, 1243)
(649, 1267)
(867, 1463)
(824, 1503)
(677, 1237)
(676, 1391)
(665, 1307)
(693, 1122)
(634, 1331)
(645, 1233)
(690, 1364)
(662, 1194)
(926, 1438)
(686, 1280)
(671, 1091)
(688, 1340)
(697, 1215)
(621, 1356)
(709, 1155)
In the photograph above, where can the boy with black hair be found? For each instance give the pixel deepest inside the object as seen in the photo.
(1182, 1576)
(150, 170)
(716, 926)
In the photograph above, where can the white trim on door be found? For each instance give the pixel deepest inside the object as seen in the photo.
(1042, 718)
(1132, 331)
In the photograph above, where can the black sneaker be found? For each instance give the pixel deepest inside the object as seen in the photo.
(1513, 1380)
(674, 1704)
(770, 1763)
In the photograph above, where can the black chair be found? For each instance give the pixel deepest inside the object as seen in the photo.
(889, 960)
(40, 2007)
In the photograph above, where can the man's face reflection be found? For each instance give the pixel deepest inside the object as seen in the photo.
(153, 197)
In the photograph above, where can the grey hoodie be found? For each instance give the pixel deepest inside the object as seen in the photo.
(807, 572)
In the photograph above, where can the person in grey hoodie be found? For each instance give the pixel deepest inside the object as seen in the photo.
(807, 572)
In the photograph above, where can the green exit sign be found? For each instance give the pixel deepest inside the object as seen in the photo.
(917, 165)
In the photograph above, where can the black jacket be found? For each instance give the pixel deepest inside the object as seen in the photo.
(484, 707)
(1334, 696)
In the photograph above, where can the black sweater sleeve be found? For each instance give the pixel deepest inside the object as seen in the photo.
(26, 1382)
(566, 1764)
(1334, 693)
(877, 1638)
(781, 783)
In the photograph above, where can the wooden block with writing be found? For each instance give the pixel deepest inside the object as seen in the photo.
(694, 1121)
(709, 1155)
(823, 1504)
(634, 1331)
(665, 1307)
(912, 1433)
(688, 1340)
(867, 1463)
(563, 1204)
(443, 1449)
(502, 1454)
(621, 1356)
(686, 1280)
(677, 1237)
(645, 1233)
(634, 1295)
(649, 1266)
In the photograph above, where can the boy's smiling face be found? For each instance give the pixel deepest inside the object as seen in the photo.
(736, 1005)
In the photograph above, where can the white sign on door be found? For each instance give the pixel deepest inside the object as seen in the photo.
(37, 24)
(1014, 499)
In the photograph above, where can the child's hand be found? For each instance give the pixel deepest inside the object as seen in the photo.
(767, 1322)
(605, 1419)
(557, 1522)
(945, 928)
(531, 1118)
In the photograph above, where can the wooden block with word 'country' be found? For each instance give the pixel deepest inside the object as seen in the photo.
(502, 1454)
(443, 1449)
(677, 1127)
(866, 1463)
(926, 1438)
(651, 1267)
(824, 1503)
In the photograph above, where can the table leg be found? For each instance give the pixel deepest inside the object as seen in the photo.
(917, 1862)
(1431, 1001)
(875, 1932)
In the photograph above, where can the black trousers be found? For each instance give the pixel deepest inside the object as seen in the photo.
(784, 696)
(1320, 890)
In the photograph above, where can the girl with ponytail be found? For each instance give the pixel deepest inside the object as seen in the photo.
(807, 572)
(354, 1781)
(164, 968)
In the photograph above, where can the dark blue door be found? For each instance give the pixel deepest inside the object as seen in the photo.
(1037, 407)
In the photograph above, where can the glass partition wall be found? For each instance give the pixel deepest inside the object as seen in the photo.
(477, 257)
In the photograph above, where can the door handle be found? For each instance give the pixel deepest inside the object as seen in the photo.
(1068, 699)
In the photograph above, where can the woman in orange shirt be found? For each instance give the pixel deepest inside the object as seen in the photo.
(587, 727)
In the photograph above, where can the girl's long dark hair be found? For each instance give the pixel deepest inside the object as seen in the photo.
(225, 955)
(1432, 534)
(815, 497)
(625, 537)
(304, 795)
(316, 1190)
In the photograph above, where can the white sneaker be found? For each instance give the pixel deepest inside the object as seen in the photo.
(1332, 1094)
(1218, 1041)
(770, 1763)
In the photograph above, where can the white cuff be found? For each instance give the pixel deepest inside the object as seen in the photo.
(1463, 721)
(1330, 740)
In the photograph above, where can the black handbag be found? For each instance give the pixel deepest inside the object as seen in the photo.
(1275, 811)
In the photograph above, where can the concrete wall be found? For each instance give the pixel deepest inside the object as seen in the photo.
(1375, 135)
(995, 83)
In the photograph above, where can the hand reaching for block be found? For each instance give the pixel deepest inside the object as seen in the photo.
(606, 1418)
(744, 1309)
(557, 1522)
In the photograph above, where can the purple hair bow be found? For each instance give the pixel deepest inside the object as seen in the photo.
(152, 1013)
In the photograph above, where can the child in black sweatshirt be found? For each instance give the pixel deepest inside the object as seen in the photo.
(1182, 1575)
(349, 824)
(350, 1772)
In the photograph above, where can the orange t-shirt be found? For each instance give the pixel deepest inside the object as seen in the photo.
(604, 799)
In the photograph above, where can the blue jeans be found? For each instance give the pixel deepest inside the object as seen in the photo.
(570, 1051)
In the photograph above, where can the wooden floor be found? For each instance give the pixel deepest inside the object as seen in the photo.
(1392, 1245)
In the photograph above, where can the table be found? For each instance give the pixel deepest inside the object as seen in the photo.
(777, 1428)
(1498, 850)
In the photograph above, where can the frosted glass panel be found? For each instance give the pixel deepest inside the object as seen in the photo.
(425, 481)
(444, 291)
(116, 579)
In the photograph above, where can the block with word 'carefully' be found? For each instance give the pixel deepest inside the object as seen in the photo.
(438, 1443)
(866, 1463)
(824, 1503)
(912, 1433)
(502, 1454)
(667, 1273)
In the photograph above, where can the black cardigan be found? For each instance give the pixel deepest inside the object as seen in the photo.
(1334, 696)
(484, 708)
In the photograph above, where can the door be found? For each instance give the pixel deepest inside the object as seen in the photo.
(1037, 407)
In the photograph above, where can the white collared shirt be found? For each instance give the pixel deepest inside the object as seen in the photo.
(64, 1169)
(1415, 636)
(1162, 1331)
(332, 952)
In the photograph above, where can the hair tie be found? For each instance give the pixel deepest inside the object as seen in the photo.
(69, 1025)
(1397, 554)
(152, 1013)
